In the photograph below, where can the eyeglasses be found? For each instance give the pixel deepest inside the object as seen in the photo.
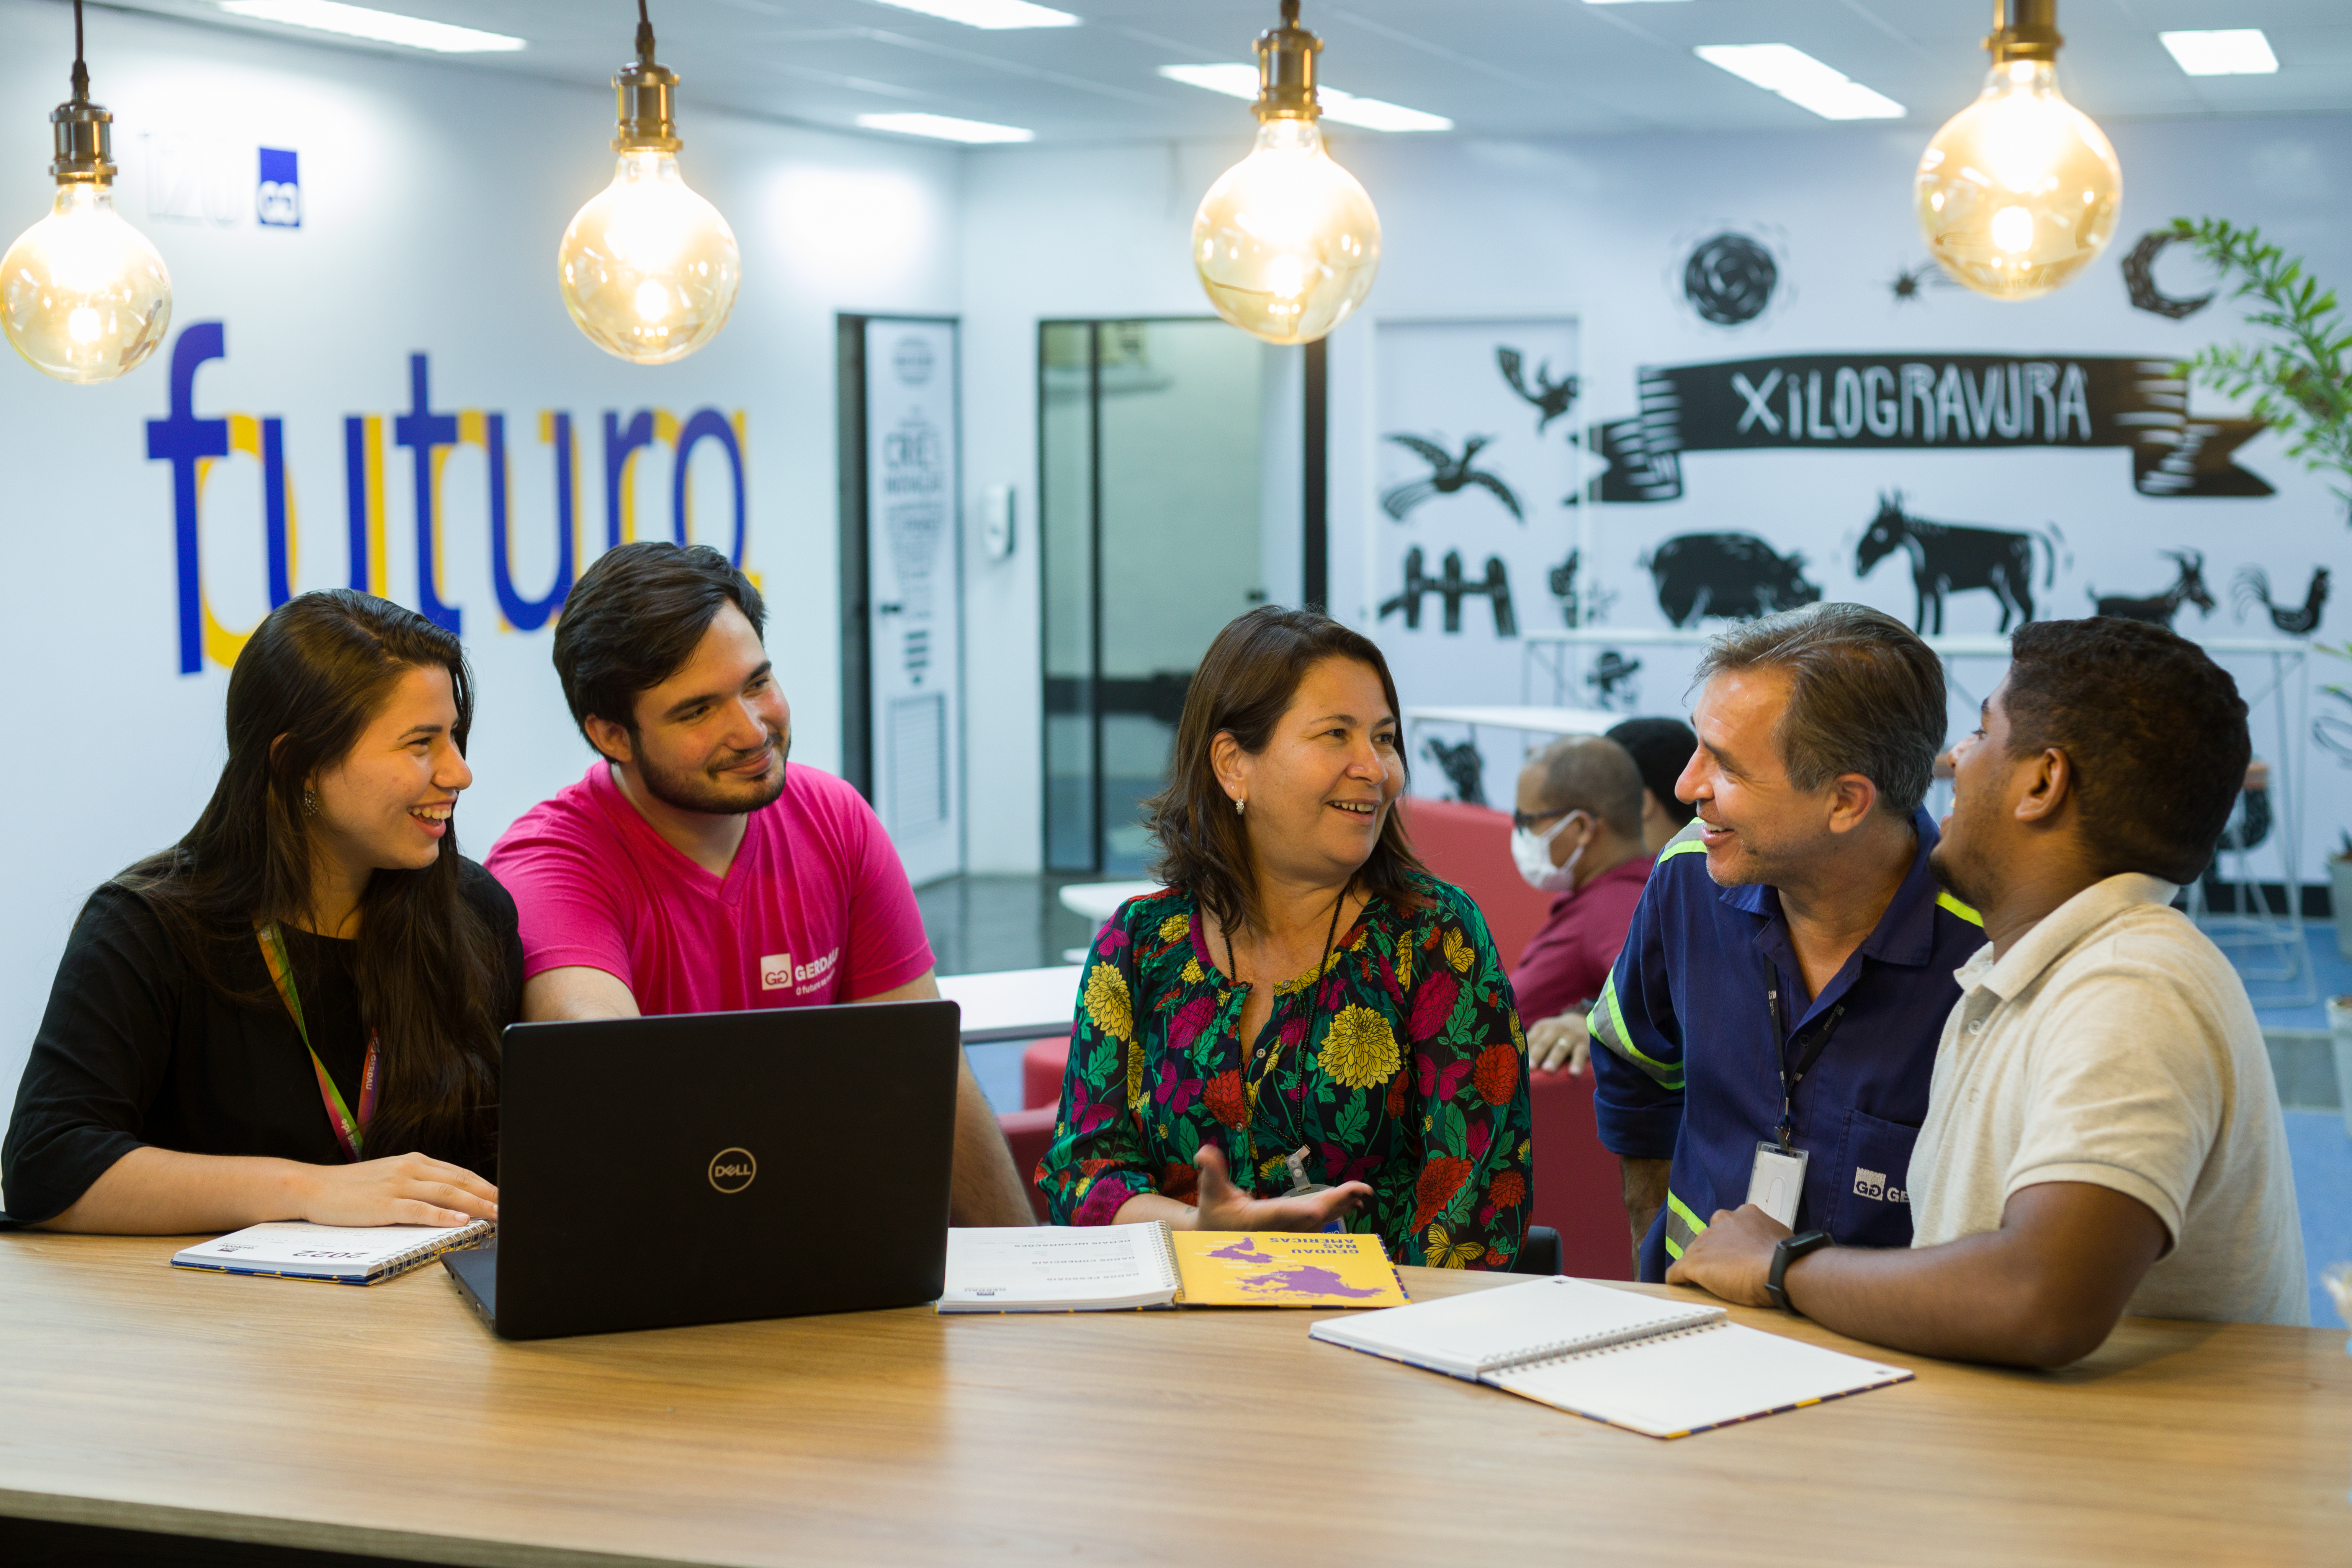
(1525, 821)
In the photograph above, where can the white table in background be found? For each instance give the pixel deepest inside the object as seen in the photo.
(1014, 1003)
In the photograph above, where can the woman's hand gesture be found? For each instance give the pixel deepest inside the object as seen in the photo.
(1223, 1206)
(401, 1189)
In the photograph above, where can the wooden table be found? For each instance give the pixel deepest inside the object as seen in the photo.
(386, 1421)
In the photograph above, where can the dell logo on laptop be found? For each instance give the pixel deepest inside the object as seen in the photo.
(731, 1169)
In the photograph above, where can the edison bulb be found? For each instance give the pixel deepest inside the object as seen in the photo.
(83, 296)
(649, 268)
(2020, 190)
(1287, 242)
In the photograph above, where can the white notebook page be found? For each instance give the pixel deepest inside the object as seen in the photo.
(1697, 1378)
(1056, 1268)
(1464, 1335)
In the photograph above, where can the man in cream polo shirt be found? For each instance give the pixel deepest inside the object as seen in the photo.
(2103, 1133)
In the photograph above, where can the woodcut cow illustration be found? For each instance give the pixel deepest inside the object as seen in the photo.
(1737, 577)
(1953, 558)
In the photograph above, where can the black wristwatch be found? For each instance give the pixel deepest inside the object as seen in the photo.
(1791, 1248)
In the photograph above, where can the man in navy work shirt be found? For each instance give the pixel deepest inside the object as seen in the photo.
(1774, 1014)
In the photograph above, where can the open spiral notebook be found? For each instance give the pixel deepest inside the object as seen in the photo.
(1664, 1369)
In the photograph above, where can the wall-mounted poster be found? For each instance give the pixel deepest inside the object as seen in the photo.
(1473, 534)
(914, 595)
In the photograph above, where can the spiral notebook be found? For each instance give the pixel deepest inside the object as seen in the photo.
(342, 1255)
(1663, 1369)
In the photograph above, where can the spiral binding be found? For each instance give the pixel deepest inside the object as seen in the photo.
(1175, 1276)
(1572, 1350)
(424, 1252)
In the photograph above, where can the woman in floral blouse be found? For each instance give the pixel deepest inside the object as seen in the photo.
(1302, 1004)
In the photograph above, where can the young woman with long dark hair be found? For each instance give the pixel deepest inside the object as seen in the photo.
(294, 1012)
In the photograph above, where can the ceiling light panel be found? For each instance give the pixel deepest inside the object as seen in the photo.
(1365, 113)
(378, 27)
(945, 128)
(1802, 79)
(993, 15)
(2229, 52)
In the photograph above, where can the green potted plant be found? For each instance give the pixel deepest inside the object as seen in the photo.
(2296, 382)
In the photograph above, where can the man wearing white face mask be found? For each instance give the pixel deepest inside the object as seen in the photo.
(1577, 831)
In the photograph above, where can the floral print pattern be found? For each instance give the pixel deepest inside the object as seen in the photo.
(1414, 1083)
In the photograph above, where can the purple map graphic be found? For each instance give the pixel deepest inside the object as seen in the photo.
(1243, 1251)
(1307, 1279)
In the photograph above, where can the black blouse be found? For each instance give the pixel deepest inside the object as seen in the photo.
(135, 1050)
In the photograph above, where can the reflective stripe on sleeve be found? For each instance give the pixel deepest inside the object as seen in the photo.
(1606, 1024)
(1682, 1226)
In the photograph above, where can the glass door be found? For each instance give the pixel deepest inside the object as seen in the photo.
(1152, 437)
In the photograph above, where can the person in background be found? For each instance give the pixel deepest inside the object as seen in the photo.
(1303, 1028)
(1775, 1011)
(693, 869)
(1577, 831)
(294, 1012)
(2103, 1133)
(1661, 749)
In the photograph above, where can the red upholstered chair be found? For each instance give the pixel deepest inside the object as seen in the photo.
(1577, 1188)
(1470, 847)
(1027, 1132)
(1043, 1063)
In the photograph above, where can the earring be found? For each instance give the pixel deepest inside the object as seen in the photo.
(309, 803)
(1238, 804)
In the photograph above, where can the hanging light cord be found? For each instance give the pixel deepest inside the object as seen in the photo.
(81, 72)
(645, 32)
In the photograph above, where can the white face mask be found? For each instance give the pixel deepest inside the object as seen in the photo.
(1532, 852)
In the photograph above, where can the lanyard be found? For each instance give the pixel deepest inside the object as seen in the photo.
(349, 1132)
(1307, 1039)
(1805, 1061)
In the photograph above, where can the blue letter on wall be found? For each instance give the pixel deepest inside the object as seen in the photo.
(422, 429)
(181, 440)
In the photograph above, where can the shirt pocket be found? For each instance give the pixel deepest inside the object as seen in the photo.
(1868, 1206)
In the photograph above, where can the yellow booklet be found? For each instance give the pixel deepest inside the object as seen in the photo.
(1282, 1268)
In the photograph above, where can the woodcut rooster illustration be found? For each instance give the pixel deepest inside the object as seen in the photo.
(2252, 587)
(1551, 398)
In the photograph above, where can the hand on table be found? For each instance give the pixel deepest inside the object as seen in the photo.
(1554, 1043)
(400, 1189)
(1732, 1257)
(1223, 1206)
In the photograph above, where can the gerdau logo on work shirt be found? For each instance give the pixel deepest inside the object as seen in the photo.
(778, 972)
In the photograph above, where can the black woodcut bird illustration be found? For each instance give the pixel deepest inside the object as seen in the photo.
(1551, 398)
(1449, 474)
(2252, 587)
(2157, 609)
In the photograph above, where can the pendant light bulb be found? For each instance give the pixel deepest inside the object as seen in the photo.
(1287, 242)
(648, 268)
(2020, 191)
(84, 297)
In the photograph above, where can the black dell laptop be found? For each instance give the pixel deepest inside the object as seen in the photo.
(707, 1168)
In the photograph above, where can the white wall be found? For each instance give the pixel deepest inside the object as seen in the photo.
(435, 198)
(1598, 230)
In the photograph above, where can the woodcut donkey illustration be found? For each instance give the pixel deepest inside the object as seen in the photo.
(1951, 558)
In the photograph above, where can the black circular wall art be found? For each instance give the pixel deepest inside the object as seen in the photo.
(2139, 276)
(1729, 279)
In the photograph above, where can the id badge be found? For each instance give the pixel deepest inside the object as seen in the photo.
(1778, 1181)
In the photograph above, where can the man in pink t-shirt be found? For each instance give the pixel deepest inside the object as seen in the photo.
(692, 870)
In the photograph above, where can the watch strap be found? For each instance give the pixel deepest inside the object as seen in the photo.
(1788, 1250)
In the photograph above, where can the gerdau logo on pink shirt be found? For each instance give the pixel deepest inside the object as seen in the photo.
(777, 971)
